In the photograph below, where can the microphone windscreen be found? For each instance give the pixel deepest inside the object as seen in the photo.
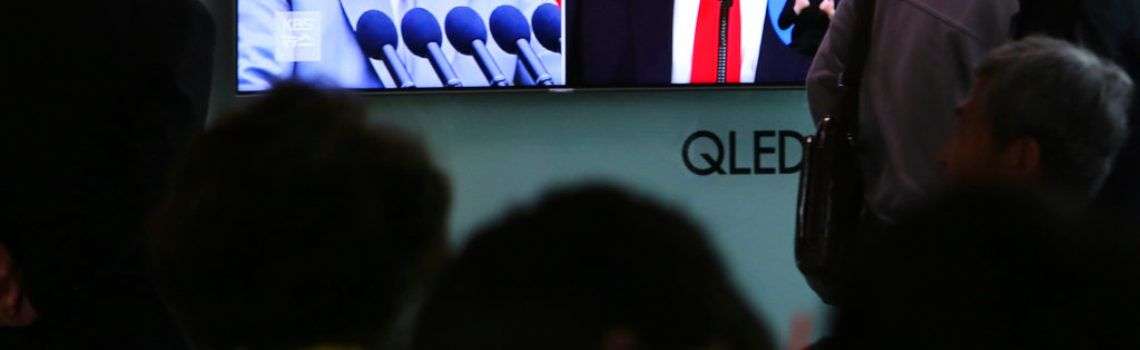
(464, 26)
(373, 31)
(420, 28)
(547, 21)
(508, 25)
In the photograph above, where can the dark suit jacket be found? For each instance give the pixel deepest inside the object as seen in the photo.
(624, 43)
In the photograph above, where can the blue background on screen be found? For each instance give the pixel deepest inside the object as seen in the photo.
(774, 8)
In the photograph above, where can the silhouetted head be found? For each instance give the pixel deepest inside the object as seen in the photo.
(588, 268)
(1043, 114)
(293, 222)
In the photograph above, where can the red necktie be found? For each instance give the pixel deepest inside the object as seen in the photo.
(706, 43)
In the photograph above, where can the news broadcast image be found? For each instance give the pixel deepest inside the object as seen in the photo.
(412, 44)
(386, 44)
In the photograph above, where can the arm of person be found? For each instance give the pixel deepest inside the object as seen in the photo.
(787, 15)
(258, 66)
(823, 77)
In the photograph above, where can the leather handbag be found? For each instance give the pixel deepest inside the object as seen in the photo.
(830, 201)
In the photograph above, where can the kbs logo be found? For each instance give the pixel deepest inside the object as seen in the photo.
(705, 153)
(298, 36)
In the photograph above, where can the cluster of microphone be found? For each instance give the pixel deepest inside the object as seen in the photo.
(377, 35)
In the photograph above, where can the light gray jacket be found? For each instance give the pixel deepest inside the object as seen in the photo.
(923, 53)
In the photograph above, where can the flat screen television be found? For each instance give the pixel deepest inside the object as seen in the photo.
(402, 45)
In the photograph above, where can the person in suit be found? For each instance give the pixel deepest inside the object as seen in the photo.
(650, 42)
(337, 60)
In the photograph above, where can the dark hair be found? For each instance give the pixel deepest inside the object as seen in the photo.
(294, 222)
(582, 263)
(1072, 102)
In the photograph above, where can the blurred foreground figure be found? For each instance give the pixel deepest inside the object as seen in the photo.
(99, 98)
(295, 224)
(1044, 115)
(993, 268)
(589, 268)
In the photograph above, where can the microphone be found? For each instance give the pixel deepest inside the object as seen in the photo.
(423, 37)
(523, 78)
(547, 22)
(512, 33)
(467, 33)
(376, 34)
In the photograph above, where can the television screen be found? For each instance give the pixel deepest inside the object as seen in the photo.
(512, 44)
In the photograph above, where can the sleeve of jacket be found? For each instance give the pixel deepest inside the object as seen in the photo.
(258, 67)
(788, 14)
(823, 76)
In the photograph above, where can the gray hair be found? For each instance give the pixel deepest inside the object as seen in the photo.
(1072, 102)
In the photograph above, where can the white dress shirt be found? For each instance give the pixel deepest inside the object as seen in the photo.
(338, 62)
(753, 13)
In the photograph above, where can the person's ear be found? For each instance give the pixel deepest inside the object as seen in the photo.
(1022, 158)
